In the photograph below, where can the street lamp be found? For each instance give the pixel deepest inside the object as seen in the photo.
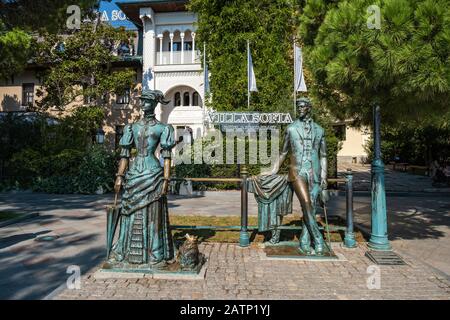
(378, 236)
(100, 136)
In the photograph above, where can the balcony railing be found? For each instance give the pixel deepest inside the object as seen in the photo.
(164, 58)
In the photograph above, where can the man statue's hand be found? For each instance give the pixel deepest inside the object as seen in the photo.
(118, 184)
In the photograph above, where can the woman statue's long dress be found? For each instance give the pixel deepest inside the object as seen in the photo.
(144, 236)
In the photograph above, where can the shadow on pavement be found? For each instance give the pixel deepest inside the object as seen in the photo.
(36, 276)
(15, 239)
(422, 219)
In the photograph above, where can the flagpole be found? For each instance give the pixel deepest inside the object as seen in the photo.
(205, 74)
(204, 70)
(295, 78)
(248, 74)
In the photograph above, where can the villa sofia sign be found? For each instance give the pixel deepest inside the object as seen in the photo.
(248, 118)
(114, 15)
(111, 13)
(231, 121)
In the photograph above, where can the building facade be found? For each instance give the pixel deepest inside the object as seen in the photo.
(165, 57)
(353, 142)
(171, 60)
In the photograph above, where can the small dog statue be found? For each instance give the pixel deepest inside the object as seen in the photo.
(189, 256)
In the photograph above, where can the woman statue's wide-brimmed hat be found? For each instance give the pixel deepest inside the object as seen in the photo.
(153, 95)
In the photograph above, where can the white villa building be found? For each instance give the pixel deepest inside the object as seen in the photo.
(165, 57)
(170, 60)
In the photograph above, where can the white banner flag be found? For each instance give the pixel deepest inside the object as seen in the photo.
(299, 84)
(251, 74)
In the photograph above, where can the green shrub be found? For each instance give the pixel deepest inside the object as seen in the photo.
(55, 184)
(65, 163)
(96, 171)
(232, 170)
(93, 173)
(27, 162)
(54, 156)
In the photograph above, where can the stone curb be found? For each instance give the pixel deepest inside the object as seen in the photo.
(102, 274)
(55, 292)
(20, 219)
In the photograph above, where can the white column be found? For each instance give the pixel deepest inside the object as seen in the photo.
(171, 48)
(148, 81)
(182, 47)
(149, 45)
(193, 46)
(160, 36)
(152, 49)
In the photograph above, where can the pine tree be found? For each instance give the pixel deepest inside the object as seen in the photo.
(404, 65)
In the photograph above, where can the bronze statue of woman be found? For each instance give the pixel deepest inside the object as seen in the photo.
(144, 237)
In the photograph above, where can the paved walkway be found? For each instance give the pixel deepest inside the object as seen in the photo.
(31, 269)
(395, 181)
(418, 226)
(245, 273)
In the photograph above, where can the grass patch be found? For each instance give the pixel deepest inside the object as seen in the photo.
(8, 215)
(232, 236)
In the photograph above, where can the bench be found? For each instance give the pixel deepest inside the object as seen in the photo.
(420, 170)
(403, 165)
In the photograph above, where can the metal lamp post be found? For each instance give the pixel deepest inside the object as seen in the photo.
(378, 237)
(244, 239)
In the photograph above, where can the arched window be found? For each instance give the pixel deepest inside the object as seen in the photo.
(177, 99)
(195, 99)
(186, 99)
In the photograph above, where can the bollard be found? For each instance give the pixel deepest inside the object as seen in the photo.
(349, 239)
(244, 239)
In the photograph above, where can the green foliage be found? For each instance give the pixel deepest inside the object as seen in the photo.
(404, 66)
(75, 131)
(20, 19)
(42, 15)
(324, 119)
(431, 141)
(80, 65)
(96, 170)
(14, 51)
(233, 170)
(65, 162)
(17, 133)
(55, 156)
(225, 27)
(55, 184)
(27, 163)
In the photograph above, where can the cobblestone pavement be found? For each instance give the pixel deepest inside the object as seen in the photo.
(419, 230)
(245, 273)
